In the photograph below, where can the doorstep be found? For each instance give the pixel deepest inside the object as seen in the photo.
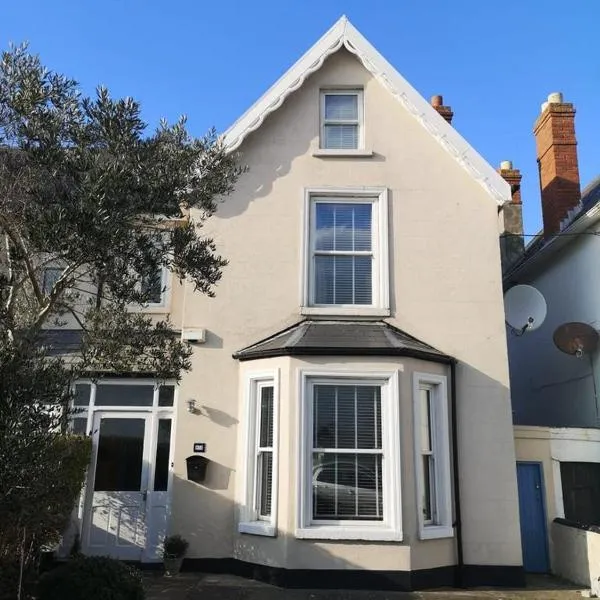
(198, 586)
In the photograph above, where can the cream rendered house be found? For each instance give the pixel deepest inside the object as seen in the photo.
(349, 391)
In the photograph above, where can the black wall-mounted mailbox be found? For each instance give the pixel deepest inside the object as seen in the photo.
(196, 468)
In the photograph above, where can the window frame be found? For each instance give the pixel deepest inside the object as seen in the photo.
(380, 304)
(359, 121)
(441, 526)
(250, 520)
(388, 529)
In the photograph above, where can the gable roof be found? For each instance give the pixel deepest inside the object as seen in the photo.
(342, 338)
(344, 34)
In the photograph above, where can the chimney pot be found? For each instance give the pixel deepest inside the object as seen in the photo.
(555, 98)
(445, 112)
(437, 100)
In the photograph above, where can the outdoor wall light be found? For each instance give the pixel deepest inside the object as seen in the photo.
(191, 405)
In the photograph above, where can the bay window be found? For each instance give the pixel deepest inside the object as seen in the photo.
(350, 484)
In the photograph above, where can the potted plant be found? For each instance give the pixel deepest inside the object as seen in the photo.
(174, 550)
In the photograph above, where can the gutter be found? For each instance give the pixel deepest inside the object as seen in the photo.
(460, 563)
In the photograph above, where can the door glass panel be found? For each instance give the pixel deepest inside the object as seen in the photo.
(124, 395)
(79, 425)
(82, 394)
(120, 455)
(166, 394)
(161, 464)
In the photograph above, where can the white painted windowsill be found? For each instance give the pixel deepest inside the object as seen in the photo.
(341, 153)
(340, 311)
(258, 528)
(328, 532)
(436, 532)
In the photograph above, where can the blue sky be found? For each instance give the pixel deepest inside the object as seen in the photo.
(494, 62)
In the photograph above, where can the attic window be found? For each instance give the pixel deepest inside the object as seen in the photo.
(341, 119)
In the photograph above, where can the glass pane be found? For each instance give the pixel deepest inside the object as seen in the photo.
(120, 455)
(428, 487)
(343, 279)
(49, 279)
(368, 417)
(344, 227)
(166, 395)
(79, 426)
(266, 417)
(340, 137)
(347, 416)
(324, 431)
(124, 395)
(325, 225)
(324, 279)
(347, 487)
(341, 106)
(426, 445)
(161, 463)
(152, 285)
(82, 394)
(265, 483)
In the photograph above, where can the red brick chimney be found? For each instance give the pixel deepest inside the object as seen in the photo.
(438, 103)
(511, 241)
(557, 161)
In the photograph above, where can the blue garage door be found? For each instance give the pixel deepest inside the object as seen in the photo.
(533, 517)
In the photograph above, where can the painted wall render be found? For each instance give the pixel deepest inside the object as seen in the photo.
(445, 289)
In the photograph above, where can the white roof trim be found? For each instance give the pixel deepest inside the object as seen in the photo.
(343, 33)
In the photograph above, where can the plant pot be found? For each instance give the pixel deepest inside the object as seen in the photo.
(172, 566)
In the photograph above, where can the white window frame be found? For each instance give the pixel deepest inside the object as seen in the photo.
(359, 122)
(390, 528)
(250, 520)
(441, 526)
(380, 305)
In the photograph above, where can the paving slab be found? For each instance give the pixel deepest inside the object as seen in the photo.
(197, 586)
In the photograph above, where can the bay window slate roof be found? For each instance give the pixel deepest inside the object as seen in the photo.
(342, 338)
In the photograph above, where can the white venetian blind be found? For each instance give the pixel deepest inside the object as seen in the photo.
(264, 462)
(343, 253)
(347, 453)
(341, 121)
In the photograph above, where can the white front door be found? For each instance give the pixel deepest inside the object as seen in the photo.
(128, 487)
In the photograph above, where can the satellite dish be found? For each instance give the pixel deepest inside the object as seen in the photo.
(524, 308)
(576, 339)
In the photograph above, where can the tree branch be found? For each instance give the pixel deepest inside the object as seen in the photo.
(17, 240)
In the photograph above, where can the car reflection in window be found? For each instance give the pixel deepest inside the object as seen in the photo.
(345, 490)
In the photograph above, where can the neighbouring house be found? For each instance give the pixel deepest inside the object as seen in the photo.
(347, 419)
(555, 401)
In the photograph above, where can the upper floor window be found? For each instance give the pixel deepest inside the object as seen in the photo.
(50, 276)
(347, 250)
(341, 119)
(155, 286)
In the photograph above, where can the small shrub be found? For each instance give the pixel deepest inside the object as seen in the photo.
(175, 546)
(92, 578)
